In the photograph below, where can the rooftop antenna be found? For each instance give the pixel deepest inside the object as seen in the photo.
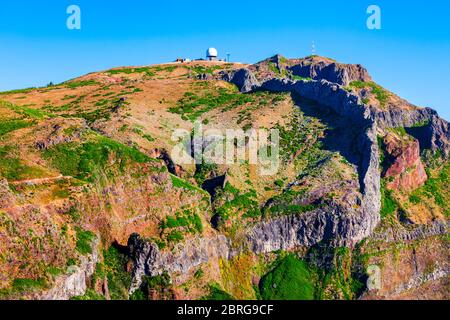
(313, 48)
(228, 56)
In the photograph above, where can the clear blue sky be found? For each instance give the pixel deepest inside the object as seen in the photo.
(410, 55)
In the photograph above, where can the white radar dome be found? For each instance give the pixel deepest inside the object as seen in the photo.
(211, 52)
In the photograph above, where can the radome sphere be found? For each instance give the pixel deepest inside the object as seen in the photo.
(211, 53)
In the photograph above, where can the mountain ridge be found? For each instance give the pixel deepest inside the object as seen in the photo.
(346, 172)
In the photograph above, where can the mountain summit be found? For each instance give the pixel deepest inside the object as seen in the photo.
(94, 206)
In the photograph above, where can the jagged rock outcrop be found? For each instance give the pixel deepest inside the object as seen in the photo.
(243, 78)
(318, 68)
(149, 260)
(425, 125)
(328, 88)
(56, 132)
(405, 170)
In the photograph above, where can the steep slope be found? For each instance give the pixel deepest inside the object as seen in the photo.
(93, 204)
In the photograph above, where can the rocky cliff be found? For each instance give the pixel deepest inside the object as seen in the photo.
(404, 168)
(89, 160)
(335, 225)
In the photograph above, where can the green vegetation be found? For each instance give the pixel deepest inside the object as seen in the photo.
(113, 269)
(86, 161)
(281, 72)
(261, 99)
(54, 271)
(18, 91)
(192, 106)
(78, 84)
(380, 93)
(199, 274)
(291, 279)
(149, 72)
(148, 137)
(340, 282)
(104, 110)
(291, 209)
(21, 286)
(183, 184)
(217, 294)
(273, 68)
(279, 183)
(400, 131)
(421, 124)
(74, 214)
(26, 111)
(283, 204)
(84, 241)
(208, 97)
(89, 295)
(436, 188)
(198, 70)
(300, 134)
(12, 125)
(203, 171)
(381, 151)
(61, 193)
(414, 199)
(12, 168)
(388, 204)
(299, 78)
(158, 287)
(185, 221)
(72, 105)
(231, 202)
(26, 285)
(344, 277)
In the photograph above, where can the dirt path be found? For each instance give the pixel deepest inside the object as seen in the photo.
(41, 180)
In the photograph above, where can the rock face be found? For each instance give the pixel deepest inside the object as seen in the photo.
(337, 224)
(436, 228)
(74, 282)
(243, 78)
(425, 125)
(328, 88)
(149, 260)
(319, 68)
(413, 263)
(56, 132)
(405, 171)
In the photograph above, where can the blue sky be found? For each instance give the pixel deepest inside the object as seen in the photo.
(409, 56)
